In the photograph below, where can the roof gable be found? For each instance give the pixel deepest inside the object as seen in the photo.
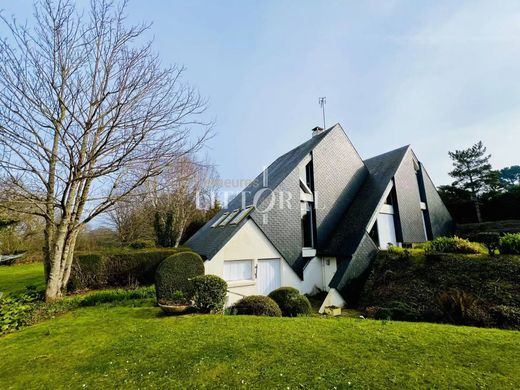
(349, 232)
(207, 241)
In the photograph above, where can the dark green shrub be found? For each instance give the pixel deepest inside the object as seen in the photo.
(463, 308)
(510, 244)
(122, 268)
(452, 245)
(490, 240)
(142, 244)
(175, 274)
(257, 305)
(507, 317)
(209, 293)
(380, 313)
(291, 302)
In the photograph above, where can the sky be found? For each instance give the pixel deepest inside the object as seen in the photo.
(439, 75)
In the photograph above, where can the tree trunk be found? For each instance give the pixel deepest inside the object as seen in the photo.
(60, 264)
(477, 209)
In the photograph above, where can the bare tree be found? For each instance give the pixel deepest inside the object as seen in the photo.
(84, 112)
(131, 219)
(178, 195)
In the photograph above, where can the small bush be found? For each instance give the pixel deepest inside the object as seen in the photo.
(490, 240)
(397, 250)
(507, 317)
(452, 245)
(15, 312)
(257, 305)
(209, 293)
(142, 244)
(175, 274)
(510, 244)
(291, 302)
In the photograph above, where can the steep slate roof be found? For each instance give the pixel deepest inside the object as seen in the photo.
(208, 241)
(349, 232)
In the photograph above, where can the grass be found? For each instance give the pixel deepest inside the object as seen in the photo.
(15, 278)
(136, 347)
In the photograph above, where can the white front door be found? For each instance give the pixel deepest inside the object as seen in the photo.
(267, 276)
(386, 230)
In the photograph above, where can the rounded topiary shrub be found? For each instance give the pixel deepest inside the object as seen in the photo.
(209, 293)
(257, 305)
(291, 302)
(174, 275)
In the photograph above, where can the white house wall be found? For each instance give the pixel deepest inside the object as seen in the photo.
(249, 243)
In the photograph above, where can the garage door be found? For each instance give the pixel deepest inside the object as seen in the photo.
(268, 276)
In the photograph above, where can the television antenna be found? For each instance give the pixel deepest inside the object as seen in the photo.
(322, 101)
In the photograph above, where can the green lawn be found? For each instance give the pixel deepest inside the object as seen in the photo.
(136, 347)
(15, 278)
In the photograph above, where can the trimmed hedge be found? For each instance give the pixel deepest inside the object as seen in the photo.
(122, 268)
(209, 293)
(291, 302)
(257, 305)
(510, 244)
(175, 274)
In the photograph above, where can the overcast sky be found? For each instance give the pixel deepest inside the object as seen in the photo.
(439, 75)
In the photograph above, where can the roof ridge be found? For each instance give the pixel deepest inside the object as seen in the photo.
(405, 147)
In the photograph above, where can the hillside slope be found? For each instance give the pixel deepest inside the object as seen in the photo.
(467, 289)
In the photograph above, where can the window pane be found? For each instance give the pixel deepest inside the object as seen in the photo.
(238, 270)
(220, 219)
(307, 235)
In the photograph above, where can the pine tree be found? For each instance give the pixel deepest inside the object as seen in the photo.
(472, 172)
(510, 175)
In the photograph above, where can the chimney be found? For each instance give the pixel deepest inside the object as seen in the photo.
(317, 130)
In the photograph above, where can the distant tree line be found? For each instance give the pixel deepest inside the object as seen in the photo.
(479, 193)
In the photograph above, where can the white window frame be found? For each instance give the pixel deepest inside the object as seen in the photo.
(251, 277)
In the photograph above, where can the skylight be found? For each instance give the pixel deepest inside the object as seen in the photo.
(229, 217)
(243, 213)
(220, 219)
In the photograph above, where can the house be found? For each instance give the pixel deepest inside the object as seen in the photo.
(316, 218)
